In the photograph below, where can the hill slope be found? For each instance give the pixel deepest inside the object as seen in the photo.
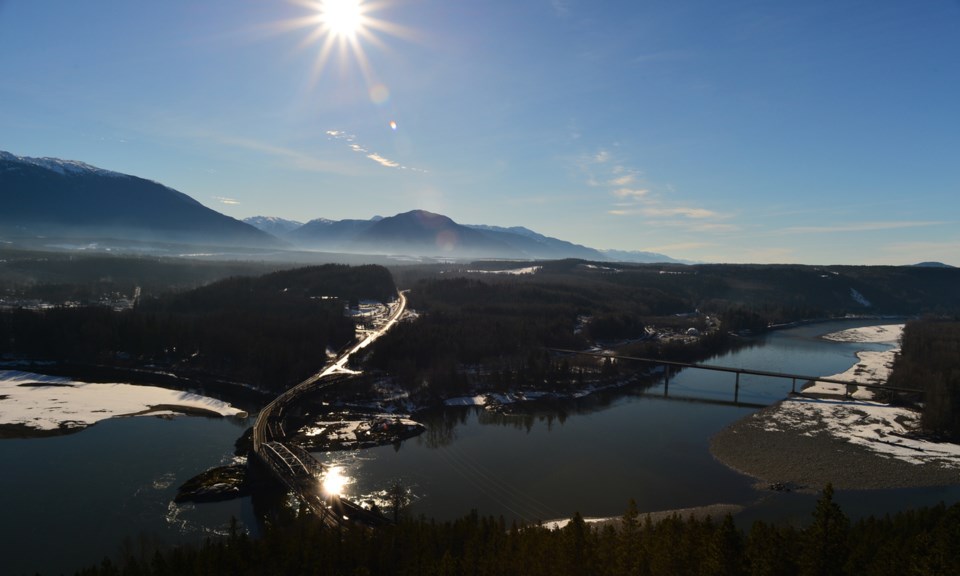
(52, 197)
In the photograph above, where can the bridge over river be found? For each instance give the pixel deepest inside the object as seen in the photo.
(669, 364)
(294, 467)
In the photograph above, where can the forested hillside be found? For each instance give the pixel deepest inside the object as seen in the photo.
(57, 277)
(484, 317)
(270, 331)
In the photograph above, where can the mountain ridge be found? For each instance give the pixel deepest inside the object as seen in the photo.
(69, 199)
(516, 242)
(53, 197)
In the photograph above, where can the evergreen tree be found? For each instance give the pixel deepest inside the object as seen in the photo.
(825, 540)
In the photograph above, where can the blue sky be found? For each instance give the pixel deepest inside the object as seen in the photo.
(818, 132)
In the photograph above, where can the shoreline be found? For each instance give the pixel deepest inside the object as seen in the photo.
(806, 442)
(807, 463)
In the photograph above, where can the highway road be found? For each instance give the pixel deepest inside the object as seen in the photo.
(291, 464)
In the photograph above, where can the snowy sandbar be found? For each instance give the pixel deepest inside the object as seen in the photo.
(51, 403)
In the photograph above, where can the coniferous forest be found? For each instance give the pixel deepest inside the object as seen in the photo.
(917, 542)
(929, 360)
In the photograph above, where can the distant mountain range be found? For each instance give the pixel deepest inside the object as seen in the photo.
(422, 233)
(65, 199)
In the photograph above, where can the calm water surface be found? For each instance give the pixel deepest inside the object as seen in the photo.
(604, 452)
(69, 501)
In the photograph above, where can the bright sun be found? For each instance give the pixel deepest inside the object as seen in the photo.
(342, 18)
(342, 29)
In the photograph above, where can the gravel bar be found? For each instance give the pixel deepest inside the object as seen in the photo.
(803, 462)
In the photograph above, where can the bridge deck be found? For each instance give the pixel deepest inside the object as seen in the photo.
(739, 371)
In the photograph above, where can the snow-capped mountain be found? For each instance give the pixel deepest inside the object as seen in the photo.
(62, 167)
(279, 227)
(69, 199)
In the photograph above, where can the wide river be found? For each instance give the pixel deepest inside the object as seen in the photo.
(70, 500)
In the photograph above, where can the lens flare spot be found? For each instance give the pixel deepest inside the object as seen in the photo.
(393, 125)
(379, 94)
(447, 240)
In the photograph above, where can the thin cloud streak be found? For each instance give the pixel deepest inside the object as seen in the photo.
(352, 144)
(294, 158)
(655, 212)
(603, 170)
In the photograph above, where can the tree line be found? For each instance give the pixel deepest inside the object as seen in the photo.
(930, 360)
(918, 542)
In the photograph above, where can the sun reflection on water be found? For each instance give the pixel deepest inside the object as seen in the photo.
(335, 481)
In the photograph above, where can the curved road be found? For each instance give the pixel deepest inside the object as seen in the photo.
(265, 445)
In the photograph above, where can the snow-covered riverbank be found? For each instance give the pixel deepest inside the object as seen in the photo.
(837, 433)
(48, 404)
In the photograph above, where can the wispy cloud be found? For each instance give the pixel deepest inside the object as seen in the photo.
(685, 211)
(227, 201)
(634, 193)
(624, 180)
(634, 197)
(295, 158)
(351, 141)
(383, 161)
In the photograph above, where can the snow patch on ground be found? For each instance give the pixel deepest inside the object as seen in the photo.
(512, 271)
(878, 427)
(884, 429)
(480, 400)
(871, 368)
(886, 333)
(561, 524)
(860, 298)
(50, 402)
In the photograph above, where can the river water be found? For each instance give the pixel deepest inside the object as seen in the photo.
(604, 451)
(68, 501)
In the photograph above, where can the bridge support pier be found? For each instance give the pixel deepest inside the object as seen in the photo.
(736, 390)
(666, 379)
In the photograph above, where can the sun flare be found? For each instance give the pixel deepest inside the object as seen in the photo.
(342, 18)
(343, 30)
